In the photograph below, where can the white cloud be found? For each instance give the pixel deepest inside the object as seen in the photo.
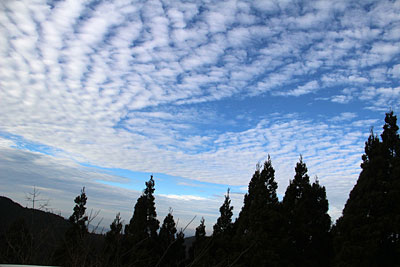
(183, 197)
(310, 87)
(395, 71)
(345, 116)
(342, 99)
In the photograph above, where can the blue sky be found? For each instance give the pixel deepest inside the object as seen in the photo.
(106, 93)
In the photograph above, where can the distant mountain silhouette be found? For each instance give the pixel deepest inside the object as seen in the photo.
(46, 229)
(36, 220)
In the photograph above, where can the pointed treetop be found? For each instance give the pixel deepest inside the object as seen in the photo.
(390, 137)
(298, 185)
(224, 222)
(301, 171)
(168, 230)
(149, 190)
(201, 230)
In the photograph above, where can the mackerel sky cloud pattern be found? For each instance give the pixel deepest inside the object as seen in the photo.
(201, 89)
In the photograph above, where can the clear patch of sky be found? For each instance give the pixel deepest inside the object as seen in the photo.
(24, 144)
(164, 184)
(249, 111)
(309, 106)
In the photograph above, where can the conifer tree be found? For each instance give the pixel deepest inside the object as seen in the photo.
(198, 250)
(73, 251)
(220, 251)
(166, 241)
(173, 251)
(259, 223)
(167, 231)
(144, 223)
(180, 249)
(114, 242)
(224, 222)
(141, 232)
(368, 233)
(305, 208)
(78, 219)
(200, 233)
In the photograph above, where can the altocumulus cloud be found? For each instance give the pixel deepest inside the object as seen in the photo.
(148, 86)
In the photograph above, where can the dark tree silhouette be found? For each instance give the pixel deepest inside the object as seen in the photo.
(221, 246)
(74, 251)
(172, 243)
(168, 230)
(78, 219)
(113, 242)
(200, 233)
(224, 222)
(368, 233)
(307, 221)
(144, 223)
(141, 232)
(179, 249)
(166, 239)
(199, 250)
(259, 222)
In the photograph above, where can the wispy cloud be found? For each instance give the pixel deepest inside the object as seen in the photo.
(183, 197)
(345, 116)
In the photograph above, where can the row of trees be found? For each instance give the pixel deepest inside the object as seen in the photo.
(269, 232)
(296, 231)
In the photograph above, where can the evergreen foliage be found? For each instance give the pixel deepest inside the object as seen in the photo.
(305, 208)
(259, 222)
(200, 233)
(144, 223)
(368, 233)
(171, 243)
(179, 249)
(224, 222)
(140, 242)
(73, 251)
(260, 199)
(220, 251)
(113, 241)
(78, 219)
(167, 231)
(199, 250)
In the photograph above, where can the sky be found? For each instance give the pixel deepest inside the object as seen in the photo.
(103, 94)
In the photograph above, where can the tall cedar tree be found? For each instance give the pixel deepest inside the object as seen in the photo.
(258, 226)
(141, 232)
(167, 231)
(305, 207)
(224, 222)
(368, 233)
(78, 219)
(221, 247)
(171, 243)
(199, 249)
(114, 242)
(73, 251)
(179, 249)
(166, 239)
